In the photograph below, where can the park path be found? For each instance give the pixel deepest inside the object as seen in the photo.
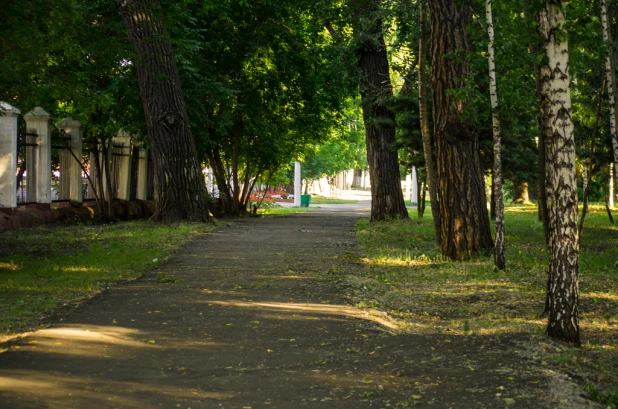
(260, 320)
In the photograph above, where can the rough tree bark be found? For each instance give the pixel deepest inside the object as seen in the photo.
(499, 258)
(610, 74)
(375, 87)
(428, 151)
(561, 182)
(536, 48)
(180, 191)
(464, 220)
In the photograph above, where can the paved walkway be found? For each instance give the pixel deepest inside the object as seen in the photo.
(259, 321)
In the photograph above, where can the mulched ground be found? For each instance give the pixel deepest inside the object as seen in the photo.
(254, 316)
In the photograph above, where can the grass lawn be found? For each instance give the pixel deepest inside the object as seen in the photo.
(328, 200)
(280, 210)
(54, 267)
(406, 275)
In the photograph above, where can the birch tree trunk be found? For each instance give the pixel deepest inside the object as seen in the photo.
(430, 164)
(464, 221)
(499, 258)
(561, 182)
(180, 191)
(611, 80)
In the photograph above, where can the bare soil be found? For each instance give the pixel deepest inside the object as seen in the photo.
(254, 315)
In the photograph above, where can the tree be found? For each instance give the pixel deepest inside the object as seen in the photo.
(376, 90)
(497, 171)
(610, 73)
(430, 164)
(268, 86)
(561, 183)
(343, 150)
(179, 185)
(461, 185)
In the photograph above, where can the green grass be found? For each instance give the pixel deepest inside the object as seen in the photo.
(281, 211)
(327, 200)
(406, 275)
(51, 268)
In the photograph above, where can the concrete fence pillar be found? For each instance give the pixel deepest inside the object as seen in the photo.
(38, 161)
(297, 184)
(8, 155)
(414, 187)
(408, 192)
(142, 175)
(71, 160)
(122, 160)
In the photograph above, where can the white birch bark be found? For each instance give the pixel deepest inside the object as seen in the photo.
(611, 81)
(499, 258)
(558, 131)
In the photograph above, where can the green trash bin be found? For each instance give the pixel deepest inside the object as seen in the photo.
(304, 200)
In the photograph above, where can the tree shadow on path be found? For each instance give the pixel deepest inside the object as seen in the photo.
(253, 317)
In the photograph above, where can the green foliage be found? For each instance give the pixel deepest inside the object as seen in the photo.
(344, 149)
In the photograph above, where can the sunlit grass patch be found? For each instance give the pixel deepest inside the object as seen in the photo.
(281, 211)
(51, 267)
(405, 274)
(316, 199)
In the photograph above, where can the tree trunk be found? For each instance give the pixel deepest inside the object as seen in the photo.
(430, 163)
(375, 87)
(180, 191)
(561, 182)
(492, 202)
(588, 170)
(520, 192)
(218, 168)
(420, 195)
(611, 185)
(499, 258)
(423, 196)
(541, 165)
(611, 80)
(541, 174)
(464, 220)
(235, 198)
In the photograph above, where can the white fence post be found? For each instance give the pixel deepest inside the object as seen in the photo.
(72, 175)
(38, 122)
(123, 159)
(142, 175)
(8, 155)
(297, 184)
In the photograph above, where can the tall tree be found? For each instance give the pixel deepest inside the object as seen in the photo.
(464, 220)
(428, 151)
(180, 192)
(561, 182)
(376, 91)
(499, 258)
(610, 73)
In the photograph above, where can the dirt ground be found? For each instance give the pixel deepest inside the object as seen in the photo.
(254, 316)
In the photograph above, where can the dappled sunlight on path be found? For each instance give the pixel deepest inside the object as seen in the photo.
(255, 318)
